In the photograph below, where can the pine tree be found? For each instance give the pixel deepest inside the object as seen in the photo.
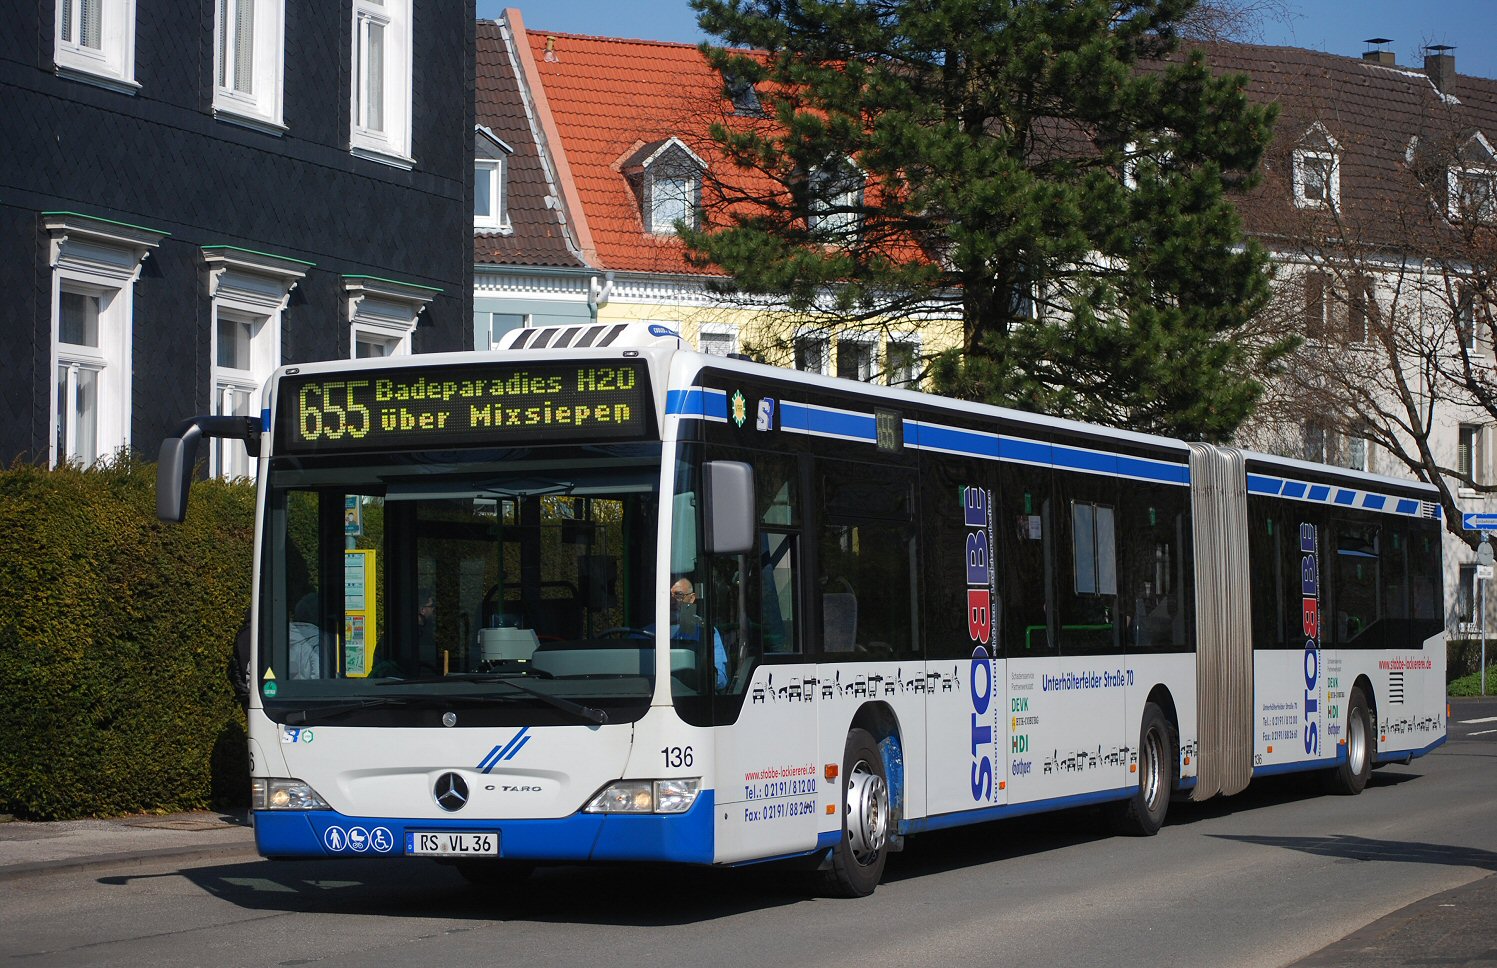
(1055, 171)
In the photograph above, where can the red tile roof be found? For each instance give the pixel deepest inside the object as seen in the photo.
(608, 98)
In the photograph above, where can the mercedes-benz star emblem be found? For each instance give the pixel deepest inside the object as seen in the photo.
(451, 792)
(449, 719)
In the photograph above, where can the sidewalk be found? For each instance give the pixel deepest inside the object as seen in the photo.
(1449, 929)
(35, 848)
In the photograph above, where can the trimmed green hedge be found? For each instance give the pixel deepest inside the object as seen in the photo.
(115, 630)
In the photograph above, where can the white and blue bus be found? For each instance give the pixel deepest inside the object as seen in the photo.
(594, 597)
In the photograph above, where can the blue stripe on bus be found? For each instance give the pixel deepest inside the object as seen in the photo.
(966, 442)
(1258, 484)
(803, 419)
(1342, 496)
(840, 423)
(1301, 766)
(1402, 756)
(1027, 451)
(1075, 459)
(1153, 470)
(681, 838)
(708, 404)
(984, 814)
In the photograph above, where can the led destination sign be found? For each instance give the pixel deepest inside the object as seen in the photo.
(447, 406)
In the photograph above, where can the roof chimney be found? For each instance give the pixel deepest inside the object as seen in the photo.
(1439, 67)
(1378, 55)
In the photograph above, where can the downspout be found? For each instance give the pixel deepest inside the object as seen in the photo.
(598, 292)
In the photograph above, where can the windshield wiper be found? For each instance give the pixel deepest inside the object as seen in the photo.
(298, 717)
(588, 713)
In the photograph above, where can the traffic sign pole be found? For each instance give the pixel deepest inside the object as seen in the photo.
(1484, 559)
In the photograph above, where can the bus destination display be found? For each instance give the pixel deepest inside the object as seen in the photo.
(447, 406)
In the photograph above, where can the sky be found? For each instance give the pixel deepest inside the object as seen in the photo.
(1336, 26)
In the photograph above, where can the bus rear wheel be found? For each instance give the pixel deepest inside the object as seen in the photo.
(1142, 814)
(857, 862)
(1349, 777)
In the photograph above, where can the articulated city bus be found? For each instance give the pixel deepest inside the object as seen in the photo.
(595, 597)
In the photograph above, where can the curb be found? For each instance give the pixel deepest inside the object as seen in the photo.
(127, 858)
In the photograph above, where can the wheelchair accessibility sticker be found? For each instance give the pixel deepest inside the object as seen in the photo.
(358, 840)
(295, 734)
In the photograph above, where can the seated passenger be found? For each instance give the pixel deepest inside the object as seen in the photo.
(686, 627)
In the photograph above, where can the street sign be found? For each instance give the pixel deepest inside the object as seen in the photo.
(1484, 555)
(1475, 521)
(1483, 571)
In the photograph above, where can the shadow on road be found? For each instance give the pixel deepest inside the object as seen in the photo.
(1362, 848)
(645, 896)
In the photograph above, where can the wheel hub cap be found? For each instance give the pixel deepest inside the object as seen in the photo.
(867, 812)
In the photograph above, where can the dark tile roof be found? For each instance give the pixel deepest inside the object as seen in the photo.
(1374, 113)
(537, 236)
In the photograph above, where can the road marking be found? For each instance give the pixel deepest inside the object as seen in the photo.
(1482, 732)
(1473, 722)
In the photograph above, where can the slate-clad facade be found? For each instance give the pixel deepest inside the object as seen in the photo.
(283, 214)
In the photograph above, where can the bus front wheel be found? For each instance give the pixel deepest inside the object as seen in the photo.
(857, 862)
(1349, 777)
(1142, 814)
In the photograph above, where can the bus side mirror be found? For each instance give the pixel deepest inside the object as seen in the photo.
(178, 458)
(730, 510)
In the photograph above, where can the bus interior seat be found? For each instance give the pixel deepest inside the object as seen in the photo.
(839, 621)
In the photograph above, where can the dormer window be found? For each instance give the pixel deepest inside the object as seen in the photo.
(1317, 170)
(667, 178)
(835, 202)
(1473, 181)
(490, 189)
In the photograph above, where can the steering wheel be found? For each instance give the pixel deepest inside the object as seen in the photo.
(625, 632)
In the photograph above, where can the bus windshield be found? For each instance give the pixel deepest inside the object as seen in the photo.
(511, 586)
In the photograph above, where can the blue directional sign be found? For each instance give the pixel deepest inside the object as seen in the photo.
(1479, 522)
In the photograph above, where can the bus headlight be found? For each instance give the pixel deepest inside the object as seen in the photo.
(646, 796)
(282, 793)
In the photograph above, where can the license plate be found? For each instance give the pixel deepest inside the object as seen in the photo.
(446, 844)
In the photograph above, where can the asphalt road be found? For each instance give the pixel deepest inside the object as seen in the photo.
(1268, 877)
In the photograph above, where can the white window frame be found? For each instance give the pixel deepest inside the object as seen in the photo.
(261, 106)
(1302, 164)
(98, 258)
(384, 311)
(869, 370)
(491, 162)
(657, 163)
(492, 170)
(112, 63)
(1488, 211)
(1472, 463)
(390, 141)
(249, 287)
(721, 331)
(812, 337)
(912, 341)
(837, 226)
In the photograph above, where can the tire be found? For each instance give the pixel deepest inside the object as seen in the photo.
(1349, 777)
(1142, 814)
(857, 862)
(495, 875)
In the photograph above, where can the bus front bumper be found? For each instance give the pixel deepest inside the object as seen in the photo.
(685, 838)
